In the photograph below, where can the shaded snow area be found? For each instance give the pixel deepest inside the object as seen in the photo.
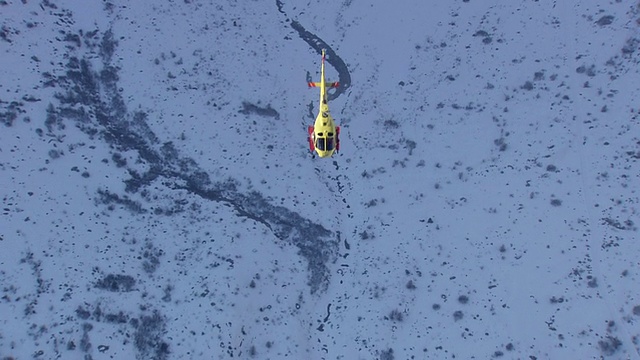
(159, 200)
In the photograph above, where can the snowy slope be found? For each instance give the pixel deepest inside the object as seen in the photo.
(159, 201)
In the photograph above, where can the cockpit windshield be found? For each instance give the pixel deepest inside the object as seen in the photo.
(330, 144)
(325, 143)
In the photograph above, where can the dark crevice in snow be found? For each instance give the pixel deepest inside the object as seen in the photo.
(266, 111)
(344, 77)
(316, 43)
(148, 329)
(96, 93)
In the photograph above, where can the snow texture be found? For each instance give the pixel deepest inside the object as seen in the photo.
(159, 200)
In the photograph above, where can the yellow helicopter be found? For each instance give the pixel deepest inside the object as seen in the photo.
(324, 135)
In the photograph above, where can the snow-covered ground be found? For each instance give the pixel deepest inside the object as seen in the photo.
(159, 200)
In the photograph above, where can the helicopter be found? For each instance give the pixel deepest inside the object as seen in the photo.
(324, 135)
